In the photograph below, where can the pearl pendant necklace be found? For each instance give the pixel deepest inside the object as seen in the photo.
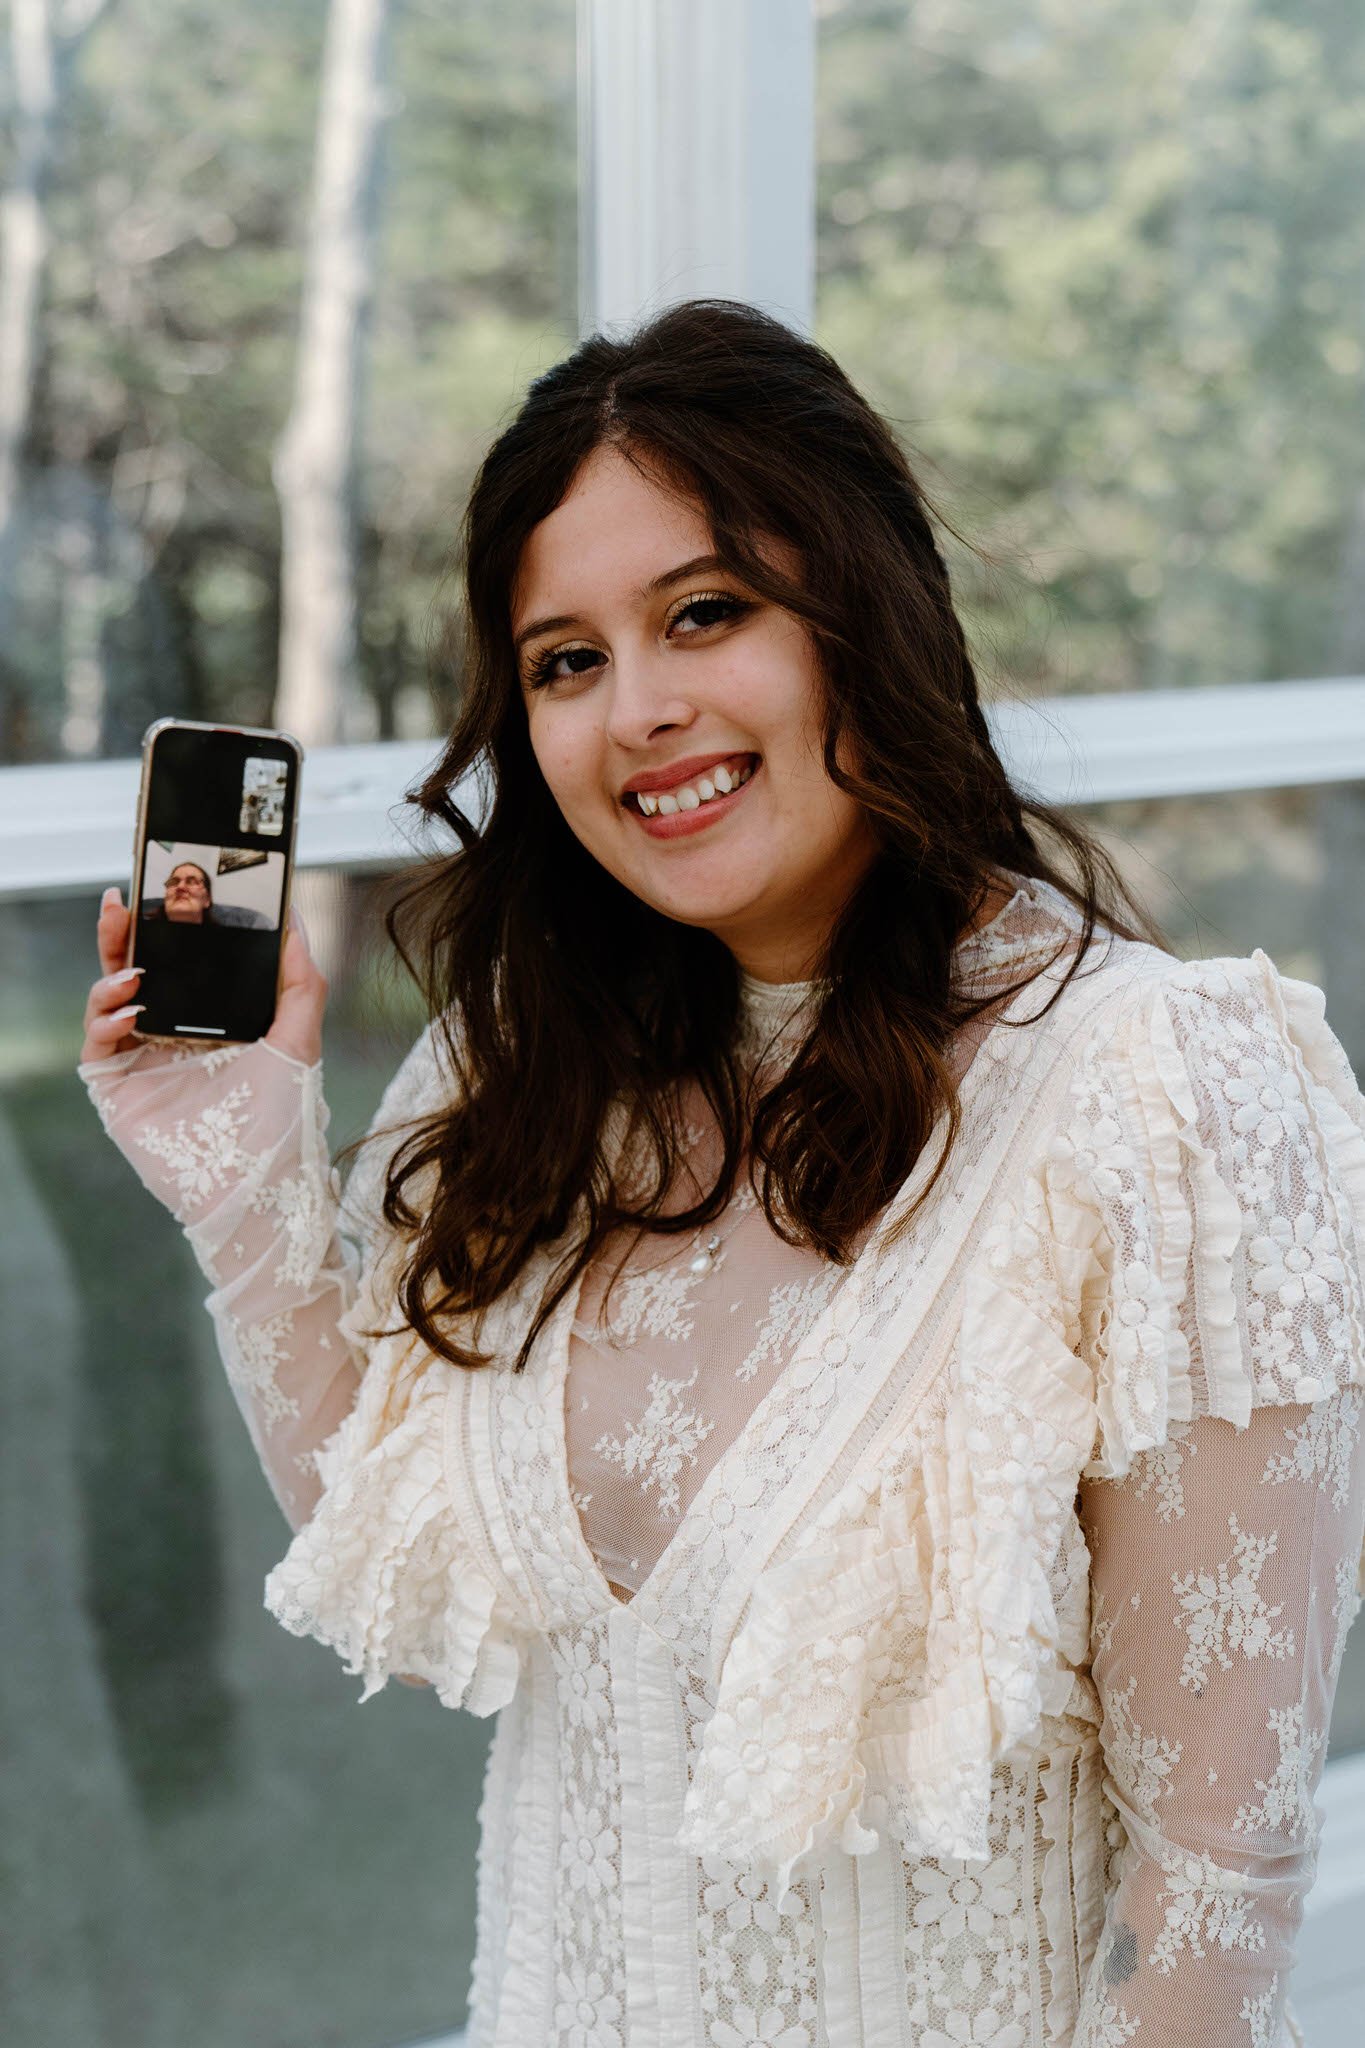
(706, 1257)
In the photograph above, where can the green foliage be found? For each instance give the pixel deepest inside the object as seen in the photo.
(178, 214)
(1105, 266)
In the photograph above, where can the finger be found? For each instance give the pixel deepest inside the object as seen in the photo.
(110, 1032)
(111, 931)
(297, 1028)
(113, 990)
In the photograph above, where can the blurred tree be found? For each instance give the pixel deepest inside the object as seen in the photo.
(319, 698)
(168, 340)
(44, 44)
(1107, 268)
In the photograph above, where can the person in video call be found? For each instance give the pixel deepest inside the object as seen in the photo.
(846, 1342)
(187, 897)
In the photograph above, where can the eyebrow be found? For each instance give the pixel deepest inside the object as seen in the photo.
(695, 567)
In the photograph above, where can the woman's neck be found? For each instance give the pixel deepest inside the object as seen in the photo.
(772, 968)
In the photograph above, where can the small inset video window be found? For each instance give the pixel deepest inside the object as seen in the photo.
(186, 883)
(263, 788)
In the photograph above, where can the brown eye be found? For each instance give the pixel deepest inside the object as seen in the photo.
(715, 610)
(544, 668)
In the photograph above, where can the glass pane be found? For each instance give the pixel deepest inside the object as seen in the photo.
(1102, 266)
(141, 567)
(202, 1840)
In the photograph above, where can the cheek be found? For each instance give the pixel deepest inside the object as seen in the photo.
(568, 758)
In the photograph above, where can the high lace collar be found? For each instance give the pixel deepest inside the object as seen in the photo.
(775, 1015)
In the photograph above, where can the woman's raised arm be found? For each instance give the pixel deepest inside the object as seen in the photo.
(232, 1140)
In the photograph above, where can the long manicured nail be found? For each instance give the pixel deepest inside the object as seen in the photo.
(124, 974)
(128, 1010)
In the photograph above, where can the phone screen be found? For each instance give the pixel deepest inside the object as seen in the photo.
(212, 891)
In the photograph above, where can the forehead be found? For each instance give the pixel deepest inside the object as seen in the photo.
(615, 529)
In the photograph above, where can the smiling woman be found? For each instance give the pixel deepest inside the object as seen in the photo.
(849, 1342)
(661, 681)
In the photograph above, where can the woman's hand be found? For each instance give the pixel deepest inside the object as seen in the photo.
(113, 1000)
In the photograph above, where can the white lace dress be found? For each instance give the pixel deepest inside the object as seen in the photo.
(935, 1652)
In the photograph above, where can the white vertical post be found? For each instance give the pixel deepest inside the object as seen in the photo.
(696, 157)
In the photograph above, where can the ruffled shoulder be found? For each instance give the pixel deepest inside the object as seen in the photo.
(1186, 1240)
(1216, 1142)
(383, 1573)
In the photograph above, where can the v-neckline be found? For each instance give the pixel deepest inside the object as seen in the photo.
(812, 1343)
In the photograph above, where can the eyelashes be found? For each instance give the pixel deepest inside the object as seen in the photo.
(710, 608)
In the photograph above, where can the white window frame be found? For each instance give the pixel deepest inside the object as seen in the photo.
(68, 827)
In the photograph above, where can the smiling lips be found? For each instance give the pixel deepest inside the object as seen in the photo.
(719, 781)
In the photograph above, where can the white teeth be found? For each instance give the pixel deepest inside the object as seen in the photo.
(720, 782)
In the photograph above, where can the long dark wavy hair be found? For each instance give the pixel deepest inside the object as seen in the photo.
(561, 996)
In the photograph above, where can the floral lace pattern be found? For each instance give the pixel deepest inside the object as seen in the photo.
(986, 1596)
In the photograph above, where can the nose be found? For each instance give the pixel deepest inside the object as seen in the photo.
(646, 699)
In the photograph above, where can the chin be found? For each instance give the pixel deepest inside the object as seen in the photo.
(719, 914)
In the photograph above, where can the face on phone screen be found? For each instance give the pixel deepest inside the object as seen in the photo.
(211, 896)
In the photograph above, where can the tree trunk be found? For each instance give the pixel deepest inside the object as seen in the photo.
(23, 232)
(320, 699)
(42, 51)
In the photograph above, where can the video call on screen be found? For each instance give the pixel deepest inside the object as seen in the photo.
(220, 813)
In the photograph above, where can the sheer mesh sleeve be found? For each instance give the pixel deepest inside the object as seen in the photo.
(1224, 1582)
(233, 1142)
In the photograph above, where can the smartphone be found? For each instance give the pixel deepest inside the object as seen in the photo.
(213, 861)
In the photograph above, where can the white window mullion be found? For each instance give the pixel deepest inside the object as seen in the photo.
(696, 156)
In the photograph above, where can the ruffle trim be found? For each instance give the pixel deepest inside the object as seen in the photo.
(946, 1585)
(915, 1639)
(1201, 1233)
(383, 1573)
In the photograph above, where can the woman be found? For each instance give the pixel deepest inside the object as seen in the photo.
(848, 1344)
(187, 897)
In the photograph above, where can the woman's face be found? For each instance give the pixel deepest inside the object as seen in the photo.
(645, 663)
(186, 895)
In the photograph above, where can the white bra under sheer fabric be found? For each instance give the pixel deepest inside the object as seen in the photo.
(667, 1367)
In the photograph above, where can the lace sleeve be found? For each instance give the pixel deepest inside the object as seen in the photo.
(1224, 1581)
(233, 1142)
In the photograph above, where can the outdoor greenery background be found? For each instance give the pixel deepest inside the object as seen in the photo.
(1105, 269)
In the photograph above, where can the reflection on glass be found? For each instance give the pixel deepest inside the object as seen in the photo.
(204, 1841)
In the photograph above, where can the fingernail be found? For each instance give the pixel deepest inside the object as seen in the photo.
(111, 895)
(128, 1010)
(124, 974)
